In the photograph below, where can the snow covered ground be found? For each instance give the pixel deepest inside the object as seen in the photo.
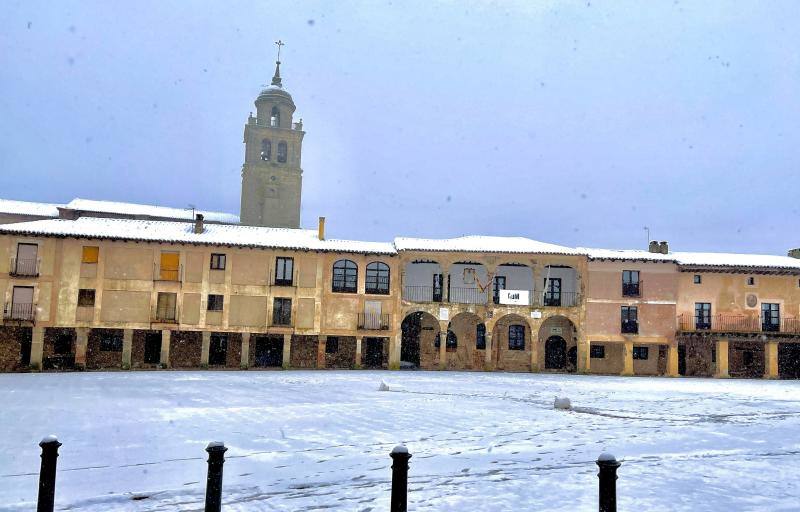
(319, 440)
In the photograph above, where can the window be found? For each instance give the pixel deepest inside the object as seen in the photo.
(747, 358)
(770, 317)
(266, 150)
(451, 344)
(284, 271)
(282, 152)
(498, 284)
(331, 345)
(438, 287)
(630, 320)
(698, 279)
(377, 278)
(91, 254)
(552, 292)
(111, 342)
(630, 283)
(216, 302)
(217, 261)
(641, 353)
(170, 266)
(27, 260)
(345, 276)
(165, 307)
(282, 311)
(702, 316)
(516, 337)
(275, 117)
(86, 298)
(751, 281)
(480, 337)
(597, 351)
(218, 350)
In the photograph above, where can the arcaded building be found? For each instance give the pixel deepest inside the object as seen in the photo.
(107, 285)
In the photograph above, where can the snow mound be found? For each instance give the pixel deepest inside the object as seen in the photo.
(562, 403)
(384, 386)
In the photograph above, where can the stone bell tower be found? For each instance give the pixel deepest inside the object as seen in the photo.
(271, 175)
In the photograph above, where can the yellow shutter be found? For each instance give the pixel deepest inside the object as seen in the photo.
(90, 254)
(170, 262)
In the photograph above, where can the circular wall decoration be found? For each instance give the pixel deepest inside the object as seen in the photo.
(752, 300)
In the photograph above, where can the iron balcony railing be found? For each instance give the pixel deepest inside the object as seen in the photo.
(24, 267)
(632, 289)
(374, 321)
(556, 299)
(737, 323)
(630, 327)
(422, 293)
(460, 295)
(25, 312)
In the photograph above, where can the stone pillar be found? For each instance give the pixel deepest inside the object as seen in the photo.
(487, 360)
(245, 362)
(443, 344)
(627, 358)
(395, 343)
(358, 352)
(81, 345)
(37, 347)
(166, 334)
(535, 351)
(585, 356)
(321, 351)
(445, 284)
(770, 360)
(205, 348)
(721, 370)
(127, 348)
(672, 359)
(287, 350)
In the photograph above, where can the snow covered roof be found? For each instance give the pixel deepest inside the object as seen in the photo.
(498, 244)
(91, 205)
(183, 232)
(699, 259)
(29, 208)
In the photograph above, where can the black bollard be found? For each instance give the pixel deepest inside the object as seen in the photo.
(400, 458)
(47, 474)
(216, 458)
(608, 482)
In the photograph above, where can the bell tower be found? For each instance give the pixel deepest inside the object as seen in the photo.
(271, 176)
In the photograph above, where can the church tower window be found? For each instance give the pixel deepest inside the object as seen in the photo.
(275, 117)
(266, 150)
(282, 152)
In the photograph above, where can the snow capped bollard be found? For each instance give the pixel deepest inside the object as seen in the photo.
(216, 458)
(562, 403)
(608, 465)
(47, 474)
(400, 458)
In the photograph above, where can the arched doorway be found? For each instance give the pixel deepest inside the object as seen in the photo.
(555, 353)
(419, 333)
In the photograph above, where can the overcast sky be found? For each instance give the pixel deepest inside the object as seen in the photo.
(576, 123)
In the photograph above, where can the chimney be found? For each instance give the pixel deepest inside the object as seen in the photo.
(654, 247)
(321, 230)
(198, 223)
(794, 253)
(663, 247)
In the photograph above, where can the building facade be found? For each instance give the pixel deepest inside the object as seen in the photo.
(100, 293)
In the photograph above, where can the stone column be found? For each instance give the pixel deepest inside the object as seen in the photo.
(395, 343)
(321, 351)
(37, 347)
(205, 348)
(287, 350)
(358, 352)
(770, 360)
(245, 362)
(127, 348)
(672, 359)
(443, 344)
(721, 370)
(585, 356)
(81, 345)
(488, 352)
(166, 334)
(627, 358)
(535, 351)
(445, 283)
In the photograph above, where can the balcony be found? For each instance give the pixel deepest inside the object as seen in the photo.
(422, 294)
(556, 299)
(737, 324)
(374, 321)
(165, 316)
(630, 327)
(20, 312)
(468, 296)
(632, 289)
(24, 268)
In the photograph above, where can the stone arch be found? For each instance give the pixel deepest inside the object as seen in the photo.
(505, 354)
(467, 355)
(419, 332)
(559, 357)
